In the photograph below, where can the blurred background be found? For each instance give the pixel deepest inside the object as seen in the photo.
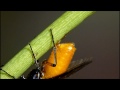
(97, 37)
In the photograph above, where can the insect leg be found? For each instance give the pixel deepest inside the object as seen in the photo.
(7, 73)
(54, 50)
(22, 77)
(36, 62)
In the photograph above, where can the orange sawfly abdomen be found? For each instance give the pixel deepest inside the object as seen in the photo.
(64, 54)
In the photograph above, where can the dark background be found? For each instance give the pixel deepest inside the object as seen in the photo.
(97, 36)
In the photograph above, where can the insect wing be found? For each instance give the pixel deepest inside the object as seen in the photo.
(74, 67)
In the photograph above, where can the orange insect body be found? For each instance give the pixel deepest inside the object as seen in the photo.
(64, 54)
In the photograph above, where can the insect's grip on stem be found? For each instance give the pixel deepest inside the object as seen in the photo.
(7, 73)
(36, 62)
(54, 50)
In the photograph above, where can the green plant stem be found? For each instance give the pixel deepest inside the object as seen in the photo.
(43, 42)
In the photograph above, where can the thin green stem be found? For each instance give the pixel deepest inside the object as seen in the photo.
(43, 42)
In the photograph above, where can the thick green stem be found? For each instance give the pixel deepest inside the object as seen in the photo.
(43, 42)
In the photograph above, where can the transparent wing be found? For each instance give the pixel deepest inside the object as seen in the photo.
(74, 67)
(79, 63)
